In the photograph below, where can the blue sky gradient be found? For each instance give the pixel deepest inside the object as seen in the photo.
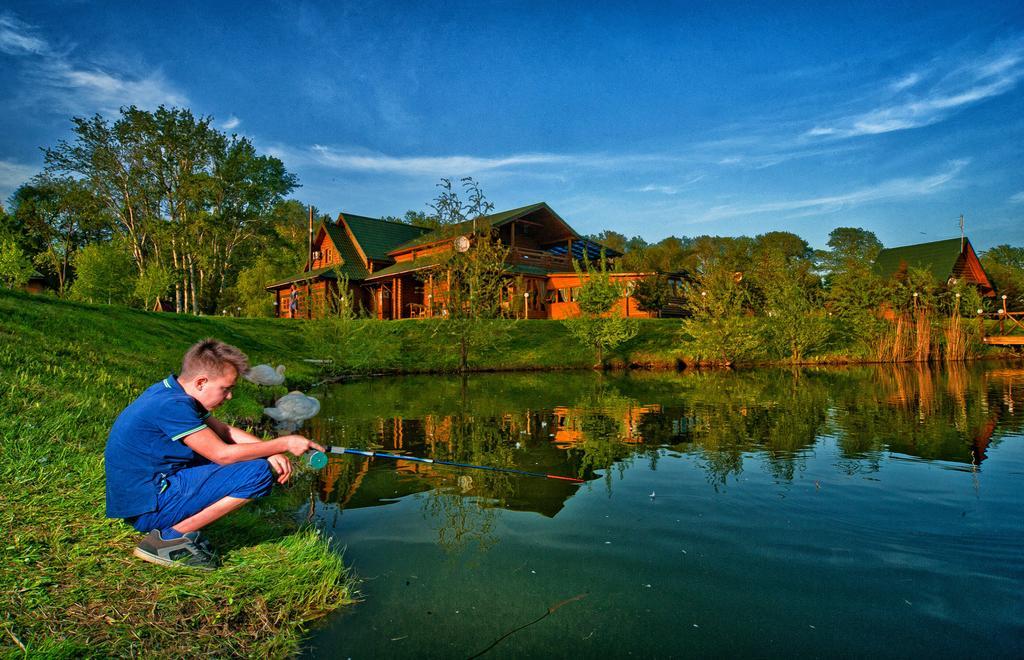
(654, 120)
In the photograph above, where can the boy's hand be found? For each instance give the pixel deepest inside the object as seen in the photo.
(299, 445)
(282, 466)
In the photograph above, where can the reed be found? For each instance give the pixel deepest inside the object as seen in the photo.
(922, 342)
(956, 344)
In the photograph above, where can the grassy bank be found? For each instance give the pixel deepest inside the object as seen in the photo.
(68, 583)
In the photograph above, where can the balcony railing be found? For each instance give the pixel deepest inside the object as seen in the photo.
(539, 258)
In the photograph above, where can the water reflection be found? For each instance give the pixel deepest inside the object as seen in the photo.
(789, 504)
(595, 426)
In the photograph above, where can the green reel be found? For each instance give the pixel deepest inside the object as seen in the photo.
(316, 459)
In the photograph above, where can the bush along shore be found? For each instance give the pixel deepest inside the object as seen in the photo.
(68, 582)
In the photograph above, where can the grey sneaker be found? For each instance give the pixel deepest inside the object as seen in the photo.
(188, 551)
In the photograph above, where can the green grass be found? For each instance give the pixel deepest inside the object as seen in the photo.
(68, 583)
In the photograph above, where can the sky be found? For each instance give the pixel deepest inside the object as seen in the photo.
(646, 118)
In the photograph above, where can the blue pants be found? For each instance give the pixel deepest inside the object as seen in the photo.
(192, 489)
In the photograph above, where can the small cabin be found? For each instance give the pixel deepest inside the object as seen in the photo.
(948, 261)
(395, 270)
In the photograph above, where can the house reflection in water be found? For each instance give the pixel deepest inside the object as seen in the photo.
(733, 421)
(529, 440)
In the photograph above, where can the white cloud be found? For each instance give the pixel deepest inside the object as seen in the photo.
(16, 38)
(103, 91)
(672, 189)
(361, 160)
(1018, 198)
(55, 80)
(963, 84)
(230, 123)
(892, 189)
(13, 175)
(906, 82)
(428, 164)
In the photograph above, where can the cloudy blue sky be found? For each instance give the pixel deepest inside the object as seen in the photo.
(653, 119)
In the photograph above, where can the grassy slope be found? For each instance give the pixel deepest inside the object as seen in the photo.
(68, 585)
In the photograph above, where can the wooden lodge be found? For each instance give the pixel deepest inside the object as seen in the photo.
(395, 270)
(948, 261)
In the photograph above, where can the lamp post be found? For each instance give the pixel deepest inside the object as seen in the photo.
(430, 305)
(526, 305)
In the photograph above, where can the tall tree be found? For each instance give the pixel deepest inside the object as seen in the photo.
(246, 189)
(15, 267)
(416, 219)
(180, 192)
(105, 273)
(475, 277)
(112, 160)
(58, 216)
(1005, 265)
(849, 247)
(598, 325)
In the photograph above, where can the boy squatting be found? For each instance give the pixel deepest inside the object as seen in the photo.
(172, 468)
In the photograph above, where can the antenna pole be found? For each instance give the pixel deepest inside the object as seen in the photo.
(961, 233)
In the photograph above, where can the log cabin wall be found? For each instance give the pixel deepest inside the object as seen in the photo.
(564, 287)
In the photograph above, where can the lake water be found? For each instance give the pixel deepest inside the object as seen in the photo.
(865, 511)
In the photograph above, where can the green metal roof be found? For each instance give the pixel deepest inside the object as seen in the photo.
(432, 260)
(326, 273)
(938, 257)
(495, 220)
(410, 266)
(378, 237)
(352, 263)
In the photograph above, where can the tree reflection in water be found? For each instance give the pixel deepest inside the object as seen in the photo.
(596, 425)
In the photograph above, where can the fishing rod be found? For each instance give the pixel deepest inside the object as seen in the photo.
(318, 460)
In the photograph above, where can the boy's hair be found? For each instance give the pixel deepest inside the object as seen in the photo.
(210, 356)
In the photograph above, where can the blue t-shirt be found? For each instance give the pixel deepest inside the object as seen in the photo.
(146, 444)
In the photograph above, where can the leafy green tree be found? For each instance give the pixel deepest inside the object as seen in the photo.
(611, 239)
(1005, 266)
(598, 292)
(416, 219)
(653, 293)
(597, 325)
(475, 278)
(15, 267)
(246, 190)
(849, 247)
(58, 216)
(111, 160)
(105, 273)
(178, 192)
(720, 329)
(796, 323)
(853, 293)
(153, 284)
